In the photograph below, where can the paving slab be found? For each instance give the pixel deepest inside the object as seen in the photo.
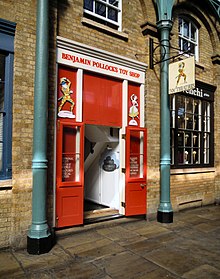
(203, 272)
(128, 248)
(175, 261)
(9, 266)
(125, 265)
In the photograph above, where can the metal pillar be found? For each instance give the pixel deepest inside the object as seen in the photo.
(39, 239)
(164, 25)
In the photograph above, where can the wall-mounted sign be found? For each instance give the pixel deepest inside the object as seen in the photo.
(90, 63)
(182, 75)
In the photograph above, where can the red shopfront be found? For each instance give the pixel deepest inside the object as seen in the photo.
(101, 141)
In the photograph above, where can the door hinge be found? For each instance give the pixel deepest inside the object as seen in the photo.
(123, 170)
(123, 136)
(58, 125)
(123, 204)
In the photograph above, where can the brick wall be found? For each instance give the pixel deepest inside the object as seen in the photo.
(15, 213)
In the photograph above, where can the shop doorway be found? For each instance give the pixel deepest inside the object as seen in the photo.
(101, 172)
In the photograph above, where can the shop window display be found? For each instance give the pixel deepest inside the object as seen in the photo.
(191, 131)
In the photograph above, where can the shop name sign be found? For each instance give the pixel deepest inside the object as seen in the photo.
(100, 66)
(198, 92)
(182, 75)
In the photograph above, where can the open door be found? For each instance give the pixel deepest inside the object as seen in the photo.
(70, 174)
(135, 174)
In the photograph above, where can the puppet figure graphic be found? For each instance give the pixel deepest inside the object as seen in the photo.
(133, 111)
(181, 73)
(65, 84)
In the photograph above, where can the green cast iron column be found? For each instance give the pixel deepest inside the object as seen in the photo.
(164, 25)
(39, 238)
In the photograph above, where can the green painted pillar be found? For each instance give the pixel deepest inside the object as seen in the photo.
(39, 239)
(164, 26)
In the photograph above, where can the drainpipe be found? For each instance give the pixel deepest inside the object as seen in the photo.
(164, 26)
(39, 239)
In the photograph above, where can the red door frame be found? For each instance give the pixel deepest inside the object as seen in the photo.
(135, 185)
(69, 193)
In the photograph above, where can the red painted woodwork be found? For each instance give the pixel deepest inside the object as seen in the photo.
(70, 173)
(134, 88)
(70, 74)
(102, 100)
(136, 171)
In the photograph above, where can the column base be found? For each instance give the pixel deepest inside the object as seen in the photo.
(165, 217)
(37, 246)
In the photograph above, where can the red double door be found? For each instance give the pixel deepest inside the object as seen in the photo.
(70, 173)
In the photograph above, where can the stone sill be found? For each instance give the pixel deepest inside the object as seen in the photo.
(5, 184)
(104, 29)
(191, 171)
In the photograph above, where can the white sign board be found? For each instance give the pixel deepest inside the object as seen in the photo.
(182, 75)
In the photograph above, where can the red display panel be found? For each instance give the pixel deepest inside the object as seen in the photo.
(66, 92)
(102, 100)
(133, 104)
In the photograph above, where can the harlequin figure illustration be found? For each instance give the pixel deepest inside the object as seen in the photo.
(133, 111)
(181, 72)
(65, 89)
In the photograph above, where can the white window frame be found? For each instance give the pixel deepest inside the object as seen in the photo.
(117, 24)
(189, 39)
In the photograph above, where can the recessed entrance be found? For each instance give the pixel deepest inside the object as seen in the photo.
(101, 172)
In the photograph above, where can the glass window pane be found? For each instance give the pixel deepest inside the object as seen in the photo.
(114, 2)
(206, 117)
(2, 93)
(188, 141)
(186, 29)
(196, 159)
(189, 121)
(88, 5)
(180, 139)
(187, 156)
(112, 14)
(192, 47)
(137, 154)
(195, 139)
(206, 148)
(189, 105)
(185, 45)
(180, 156)
(172, 146)
(71, 154)
(193, 32)
(196, 104)
(100, 9)
(1, 141)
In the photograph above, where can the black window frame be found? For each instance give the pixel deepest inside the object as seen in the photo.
(7, 33)
(203, 93)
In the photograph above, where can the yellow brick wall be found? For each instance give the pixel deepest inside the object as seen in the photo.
(15, 204)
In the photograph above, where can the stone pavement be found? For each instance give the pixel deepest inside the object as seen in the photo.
(128, 248)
